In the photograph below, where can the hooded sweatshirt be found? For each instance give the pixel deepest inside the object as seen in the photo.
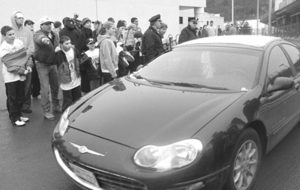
(76, 36)
(24, 34)
(108, 55)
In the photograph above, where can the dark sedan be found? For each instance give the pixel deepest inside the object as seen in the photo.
(198, 117)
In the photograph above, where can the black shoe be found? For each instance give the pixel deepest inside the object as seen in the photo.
(27, 111)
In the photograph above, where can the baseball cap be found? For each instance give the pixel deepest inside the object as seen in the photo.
(96, 22)
(45, 19)
(28, 22)
(90, 41)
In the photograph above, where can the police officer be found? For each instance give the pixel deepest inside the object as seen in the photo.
(152, 45)
(189, 32)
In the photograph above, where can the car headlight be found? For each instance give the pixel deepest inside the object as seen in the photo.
(168, 157)
(63, 122)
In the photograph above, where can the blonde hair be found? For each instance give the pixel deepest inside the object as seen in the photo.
(105, 26)
(163, 25)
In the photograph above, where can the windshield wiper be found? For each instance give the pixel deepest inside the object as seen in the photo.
(181, 84)
(198, 86)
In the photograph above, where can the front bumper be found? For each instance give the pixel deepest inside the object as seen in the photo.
(213, 181)
(72, 175)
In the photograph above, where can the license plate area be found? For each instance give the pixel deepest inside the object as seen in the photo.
(84, 174)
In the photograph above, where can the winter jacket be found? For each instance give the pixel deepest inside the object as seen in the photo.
(152, 45)
(24, 34)
(75, 35)
(108, 55)
(204, 33)
(63, 68)
(232, 30)
(86, 34)
(45, 53)
(187, 34)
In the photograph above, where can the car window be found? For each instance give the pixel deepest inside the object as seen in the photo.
(232, 68)
(278, 65)
(294, 54)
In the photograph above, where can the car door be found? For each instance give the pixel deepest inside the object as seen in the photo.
(293, 53)
(279, 66)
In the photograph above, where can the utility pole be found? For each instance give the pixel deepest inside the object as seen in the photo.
(270, 18)
(257, 25)
(232, 12)
(97, 9)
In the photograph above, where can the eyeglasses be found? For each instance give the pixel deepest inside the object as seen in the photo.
(194, 22)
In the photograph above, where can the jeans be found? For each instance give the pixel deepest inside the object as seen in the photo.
(35, 81)
(70, 96)
(27, 96)
(48, 78)
(94, 84)
(15, 98)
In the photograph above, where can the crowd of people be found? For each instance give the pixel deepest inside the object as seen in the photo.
(72, 58)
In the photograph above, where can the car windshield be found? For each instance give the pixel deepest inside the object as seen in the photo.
(206, 67)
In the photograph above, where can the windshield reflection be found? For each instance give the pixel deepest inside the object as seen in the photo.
(228, 68)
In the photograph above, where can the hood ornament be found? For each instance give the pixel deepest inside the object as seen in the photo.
(84, 149)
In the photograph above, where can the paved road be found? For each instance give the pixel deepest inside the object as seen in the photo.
(27, 162)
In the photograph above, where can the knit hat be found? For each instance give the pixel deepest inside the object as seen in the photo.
(138, 35)
(85, 20)
(120, 23)
(110, 19)
(57, 24)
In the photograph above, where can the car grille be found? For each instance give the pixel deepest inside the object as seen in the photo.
(109, 180)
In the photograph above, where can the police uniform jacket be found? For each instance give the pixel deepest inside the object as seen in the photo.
(187, 34)
(152, 45)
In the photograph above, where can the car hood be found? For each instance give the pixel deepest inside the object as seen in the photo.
(136, 115)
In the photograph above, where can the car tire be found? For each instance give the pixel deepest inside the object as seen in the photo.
(245, 161)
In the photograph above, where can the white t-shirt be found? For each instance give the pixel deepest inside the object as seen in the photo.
(75, 81)
(7, 48)
(211, 30)
(95, 56)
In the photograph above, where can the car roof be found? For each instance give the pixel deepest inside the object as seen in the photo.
(245, 40)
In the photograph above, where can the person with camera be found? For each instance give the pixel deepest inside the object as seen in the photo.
(73, 33)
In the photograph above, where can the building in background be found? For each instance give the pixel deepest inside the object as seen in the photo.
(203, 17)
(170, 10)
(285, 18)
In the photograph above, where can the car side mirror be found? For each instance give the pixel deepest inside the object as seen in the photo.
(280, 83)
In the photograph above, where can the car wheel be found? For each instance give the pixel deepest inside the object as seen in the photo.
(245, 161)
